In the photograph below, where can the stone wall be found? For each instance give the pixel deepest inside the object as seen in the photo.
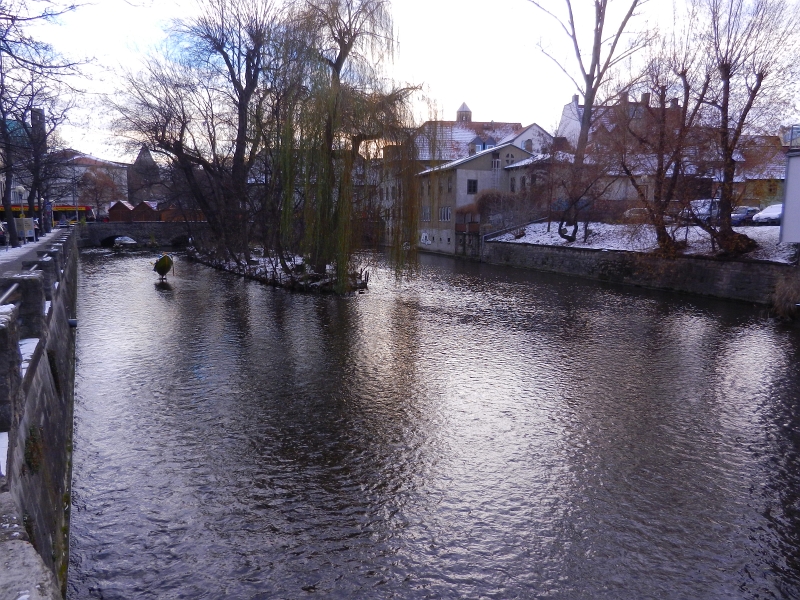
(747, 280)
(37, 372)
(152, 232)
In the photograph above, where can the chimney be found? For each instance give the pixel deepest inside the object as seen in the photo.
(623, 97)
(575, 99)
(645, 99)
(674, 103)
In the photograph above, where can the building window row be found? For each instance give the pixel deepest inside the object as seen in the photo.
(426, 213)
(445, 213)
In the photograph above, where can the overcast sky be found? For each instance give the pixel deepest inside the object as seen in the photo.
(482, 52)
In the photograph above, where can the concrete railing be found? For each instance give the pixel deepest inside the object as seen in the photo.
(37, 367)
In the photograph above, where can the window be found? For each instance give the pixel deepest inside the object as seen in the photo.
(513, 184)
(394, 193)
(421, 188)
(495, 163)
(450, 184)
(426, 213)
(522, 182)
(472, 186)
(772, 188)
(444, 213)
(439, 185)
(509, 158)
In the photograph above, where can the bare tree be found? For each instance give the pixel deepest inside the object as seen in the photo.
(201, 108)
(752, 47)
(597, 52)
(97, 188)
(28, 70)
(662, 149)
(270, 118)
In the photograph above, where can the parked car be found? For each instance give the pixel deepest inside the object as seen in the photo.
(743, 215)
(769, 216)
(705, 211)
(636, 215)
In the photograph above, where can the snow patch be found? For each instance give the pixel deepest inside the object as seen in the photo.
(47, 305)
(642, 238)
(3, 452)
(27, 346)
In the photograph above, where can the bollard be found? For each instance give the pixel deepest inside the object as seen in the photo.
(31, 316)
(56, 251)
(47, 266)
(10, 360)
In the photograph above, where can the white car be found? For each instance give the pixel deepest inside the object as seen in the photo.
(769, 216)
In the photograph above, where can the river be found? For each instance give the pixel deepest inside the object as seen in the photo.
(476, 432)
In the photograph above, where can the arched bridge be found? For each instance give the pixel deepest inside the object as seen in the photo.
(145, 232)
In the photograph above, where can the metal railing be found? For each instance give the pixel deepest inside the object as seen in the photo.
(14, 287)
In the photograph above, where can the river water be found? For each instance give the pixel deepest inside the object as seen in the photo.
(477, 432)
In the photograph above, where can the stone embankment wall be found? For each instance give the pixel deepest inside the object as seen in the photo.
(37, 373)
(153, 232)
(747, 280)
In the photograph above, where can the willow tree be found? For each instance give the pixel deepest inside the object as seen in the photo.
(351, 39)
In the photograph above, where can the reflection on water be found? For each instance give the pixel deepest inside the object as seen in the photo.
(478, 432)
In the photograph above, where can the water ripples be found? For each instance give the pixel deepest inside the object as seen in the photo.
(476, 432)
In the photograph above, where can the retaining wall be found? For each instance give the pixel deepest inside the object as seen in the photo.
(747, 280)
(37, 373)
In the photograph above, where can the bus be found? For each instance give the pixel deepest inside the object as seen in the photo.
(69, 214)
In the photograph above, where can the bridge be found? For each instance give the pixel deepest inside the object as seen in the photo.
(155, 233)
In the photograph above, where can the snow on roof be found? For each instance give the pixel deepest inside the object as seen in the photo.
(773, 168)
(450, 140)
(461, 161)
(124, 203)
(93, 161)
(513, 136)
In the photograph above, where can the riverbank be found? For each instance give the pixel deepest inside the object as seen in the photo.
(624, 254)
(36, 402)
(267, 270)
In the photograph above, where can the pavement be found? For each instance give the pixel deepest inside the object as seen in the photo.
(11, 259)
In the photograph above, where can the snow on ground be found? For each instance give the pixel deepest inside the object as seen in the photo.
(3, 452)
(9, 254)
(27, 346)
(642, 238)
